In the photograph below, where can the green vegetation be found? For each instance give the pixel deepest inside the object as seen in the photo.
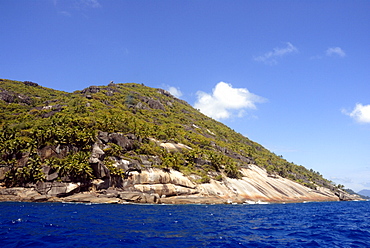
(45, 127)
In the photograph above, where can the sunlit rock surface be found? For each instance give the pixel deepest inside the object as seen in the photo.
(255, 186)
(154, 185)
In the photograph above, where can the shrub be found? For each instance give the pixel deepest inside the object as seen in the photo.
(231, 170)
(75, 166)
(31, 173)
(113, 150)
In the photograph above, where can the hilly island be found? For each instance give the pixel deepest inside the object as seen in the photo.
(129, 143)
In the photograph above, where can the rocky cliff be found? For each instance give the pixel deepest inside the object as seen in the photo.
(172, 187)
(147, 184)
(131, 143)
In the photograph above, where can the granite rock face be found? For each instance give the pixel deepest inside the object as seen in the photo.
(142, 183)
(155, 185)
(255, 186)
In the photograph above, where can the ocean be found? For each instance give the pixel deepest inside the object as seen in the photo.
(313, 224)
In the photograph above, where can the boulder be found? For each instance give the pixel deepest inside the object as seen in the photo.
(54, 151)
(46, 169)
(121, 163)
(165, 92)
(90, 198)
(201, 162)
(18, 194)
(116, 181)
(158, 176)
(155, 104)
(11, 191)
(109, 93)
(103, 136)
(3, 171)
(6, 96)
(97, 154)
(40, 198)
(12, 97)
(344, 196)
(141, 105)
(57, 189)
(172, 147)
(122, 141)
(100, 170)
(91, 89)
(138, 197)
(50, 175)
(99, 184)
(111, 193)
(28, 83)
(145, 161)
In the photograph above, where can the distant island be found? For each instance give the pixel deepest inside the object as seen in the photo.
(128, 143)
(365, 193)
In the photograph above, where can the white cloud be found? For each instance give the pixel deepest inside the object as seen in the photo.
(331, 52)
(335, 51)
(226, 101)
(65, 13)
(271, 57)
(89, 3)
(68, 8)
(174, 91)
(355, 179)
(361, 113)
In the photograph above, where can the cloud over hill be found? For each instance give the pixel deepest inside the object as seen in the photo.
(226, 101)
(361, 113)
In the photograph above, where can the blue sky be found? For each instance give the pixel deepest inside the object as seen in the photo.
(290, 75)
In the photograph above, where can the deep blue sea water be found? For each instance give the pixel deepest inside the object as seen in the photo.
(330, 224)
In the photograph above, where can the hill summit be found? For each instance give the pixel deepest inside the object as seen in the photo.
(132, 143)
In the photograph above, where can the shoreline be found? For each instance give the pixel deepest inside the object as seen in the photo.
(114, 196)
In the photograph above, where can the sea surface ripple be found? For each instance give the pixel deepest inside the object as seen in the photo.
(325, 224)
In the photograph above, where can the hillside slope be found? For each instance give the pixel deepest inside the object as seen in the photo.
(103, 138)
